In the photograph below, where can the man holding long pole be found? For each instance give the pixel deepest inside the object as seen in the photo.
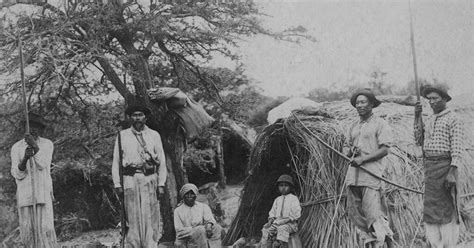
(369, 140)
(144, 177)
(442, 137)
(31, 165)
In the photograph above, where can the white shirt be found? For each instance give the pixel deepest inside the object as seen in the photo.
(134, 155)
(286, 206)
(188, 217)
(43, 185)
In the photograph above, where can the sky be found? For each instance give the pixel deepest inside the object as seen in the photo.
(355, 38)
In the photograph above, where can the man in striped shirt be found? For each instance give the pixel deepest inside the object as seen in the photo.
(443, 147)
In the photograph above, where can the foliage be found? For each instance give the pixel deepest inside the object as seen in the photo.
(376, 83)
(90, 49)
(258, 117)
(87, 53)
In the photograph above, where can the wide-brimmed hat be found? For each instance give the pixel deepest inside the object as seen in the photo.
(137, 107)
(365, 92)
(442, 90)
(285, 179)
(35, 118)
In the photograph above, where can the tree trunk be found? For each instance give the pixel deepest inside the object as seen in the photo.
(220, 161)
(174, 143)
(166, 123)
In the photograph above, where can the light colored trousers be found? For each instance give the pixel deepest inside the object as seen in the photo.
(366, 210)
(198, 238)
(143, 214)
(45, 226)
(282, 232)
(442, 235)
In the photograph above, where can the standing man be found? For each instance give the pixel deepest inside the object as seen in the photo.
(369, 139)
(31, 166)
(144, 176)
(443, 148)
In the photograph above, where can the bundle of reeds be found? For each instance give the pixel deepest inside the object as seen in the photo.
(320, 175)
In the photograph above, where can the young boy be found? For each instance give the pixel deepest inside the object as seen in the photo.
(283, 217)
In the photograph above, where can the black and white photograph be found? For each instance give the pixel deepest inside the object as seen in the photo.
(236, 123)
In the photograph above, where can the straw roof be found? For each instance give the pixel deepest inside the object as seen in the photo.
(288, 147)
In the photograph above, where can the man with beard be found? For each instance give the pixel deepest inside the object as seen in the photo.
(144, 171)
(368, 140)
(194, 223)
(443, 148)
(31, 166)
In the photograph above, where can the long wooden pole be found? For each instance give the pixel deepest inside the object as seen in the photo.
(413, 52)
(348, 159)
(31, 161)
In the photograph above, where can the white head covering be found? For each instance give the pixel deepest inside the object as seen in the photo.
(188, 187)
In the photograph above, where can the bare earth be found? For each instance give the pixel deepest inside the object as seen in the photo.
(230, 202)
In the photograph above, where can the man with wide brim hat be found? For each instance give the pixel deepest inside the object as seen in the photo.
(137, 107)
(438, 88)
(368, 141)
(31, 167)
(365, 92)
(442, 137)
(139, 152)
(35, 119)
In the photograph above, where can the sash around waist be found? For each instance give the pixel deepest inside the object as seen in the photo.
(131, 171)
(438, 158)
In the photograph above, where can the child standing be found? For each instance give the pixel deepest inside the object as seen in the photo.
(283, 217)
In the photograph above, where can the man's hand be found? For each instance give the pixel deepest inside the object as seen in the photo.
(451, 178)
(208, 228)
(418, 109)
(281, 221)
(30, 140)
(29, 152)
(160, 191)
(357, 161)
(119, 191)
(269, 223)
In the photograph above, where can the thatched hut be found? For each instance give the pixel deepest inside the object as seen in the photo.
(290, 146)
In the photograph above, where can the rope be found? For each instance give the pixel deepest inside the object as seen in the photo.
(348, 159)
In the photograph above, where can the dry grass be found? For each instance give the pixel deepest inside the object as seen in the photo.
(320, 173)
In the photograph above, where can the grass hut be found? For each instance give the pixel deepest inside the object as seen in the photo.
(290, 146)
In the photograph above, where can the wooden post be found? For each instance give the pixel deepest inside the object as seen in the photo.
(32, 166)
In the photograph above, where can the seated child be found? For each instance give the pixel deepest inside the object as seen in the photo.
(283, 217)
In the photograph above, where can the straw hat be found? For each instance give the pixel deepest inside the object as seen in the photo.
(365, 92)
(438, 88)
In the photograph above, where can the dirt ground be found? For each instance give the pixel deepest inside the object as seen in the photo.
(229, 198)
(230, 202)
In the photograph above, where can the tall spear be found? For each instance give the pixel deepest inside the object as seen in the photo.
(418, 119)
(413, 52)
(31, 161)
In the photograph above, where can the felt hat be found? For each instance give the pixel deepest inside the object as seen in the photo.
(442, 90)
(137, 107)
(35, 118)
(285, 179)
(365, 92)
